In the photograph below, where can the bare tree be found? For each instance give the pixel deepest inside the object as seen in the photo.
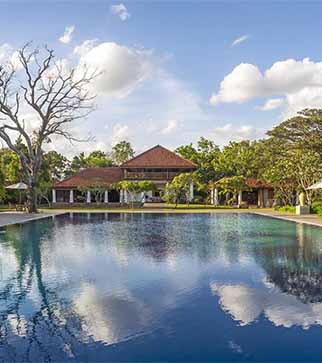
(55, 96)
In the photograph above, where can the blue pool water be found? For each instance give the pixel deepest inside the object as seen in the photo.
(160, 287)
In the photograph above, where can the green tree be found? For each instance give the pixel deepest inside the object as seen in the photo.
(56, 164)
(294, 159)
(78, 162)
(238, 158)
(231, 186)
(178, 188)
(98, 159)
(302, 132)
(205, 156)
(10, 166)
(2, 186)
(122, 152)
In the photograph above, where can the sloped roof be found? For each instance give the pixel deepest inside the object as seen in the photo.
(158, 157)
(91, 177)
(258, 183)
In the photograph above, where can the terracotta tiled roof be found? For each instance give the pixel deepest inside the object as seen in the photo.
(158, 157)
(257, 183)
(91, 177)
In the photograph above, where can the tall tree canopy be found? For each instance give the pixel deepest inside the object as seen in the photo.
(205, 156)
(122, 152)
(302, 132)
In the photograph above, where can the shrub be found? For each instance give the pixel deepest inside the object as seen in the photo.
(286, 208)
(198, 199)
(316, 207)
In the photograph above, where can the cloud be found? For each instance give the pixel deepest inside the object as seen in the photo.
(121, 11)
(85, 47)
(8, 55)
(245, 304)
(5, 51)
(121, 68)
(120, 132)
(300, 82)
(68, 34)
(172, 126)
(239, 40)
(230, 132)
(272, 104)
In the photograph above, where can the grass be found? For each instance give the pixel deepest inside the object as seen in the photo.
(198, 206)
(4, 208)
(162, 208)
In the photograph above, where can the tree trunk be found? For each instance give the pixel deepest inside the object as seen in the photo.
(31, 199)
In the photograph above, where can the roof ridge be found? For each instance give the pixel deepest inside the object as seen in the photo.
(142, 153)
(155, 147)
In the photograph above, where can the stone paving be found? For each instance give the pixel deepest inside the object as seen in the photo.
(307, 219)
(7, 218)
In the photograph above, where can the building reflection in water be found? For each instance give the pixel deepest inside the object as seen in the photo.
(86, 282)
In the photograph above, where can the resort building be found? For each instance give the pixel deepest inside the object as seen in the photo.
(157, 164)
(258, 194)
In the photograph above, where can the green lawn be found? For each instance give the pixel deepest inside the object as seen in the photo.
(197, 206)
(162, 208)
(4, 208)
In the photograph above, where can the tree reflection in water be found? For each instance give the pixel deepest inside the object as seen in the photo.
(296, 268)
(76, 287)
(51, 329)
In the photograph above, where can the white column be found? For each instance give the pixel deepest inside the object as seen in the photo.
(265, 197)
(71, 196)
(125, 196)
(212, 201)
(54, 195)
(121, 196)
(191, 192)
(106, 196)
(216, 199)
(88, 197)
(240, 194)
(142, 197)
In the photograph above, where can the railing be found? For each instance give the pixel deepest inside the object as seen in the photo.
(150, 175)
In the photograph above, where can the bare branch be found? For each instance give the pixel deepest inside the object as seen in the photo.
(55, 96)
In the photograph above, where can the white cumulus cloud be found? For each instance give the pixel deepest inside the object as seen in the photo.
(120, 68)
(230, 132)
(121, 11)
(172, 126)
(68, 34)
(85, 47)
(272, 104)
(120, 132)
(245, 304)
(239, 40)
(299, 81)
(10, 56)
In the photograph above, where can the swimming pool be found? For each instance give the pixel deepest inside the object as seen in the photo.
(160, 287)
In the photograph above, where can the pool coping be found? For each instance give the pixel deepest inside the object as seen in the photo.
(290, 218)
(267, 213)
(25, 218)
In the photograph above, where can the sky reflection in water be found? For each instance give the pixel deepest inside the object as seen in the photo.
(150, 287)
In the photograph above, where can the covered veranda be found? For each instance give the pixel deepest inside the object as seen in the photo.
(256, 193)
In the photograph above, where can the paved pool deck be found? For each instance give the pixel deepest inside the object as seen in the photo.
(307, 219)
(9, 218)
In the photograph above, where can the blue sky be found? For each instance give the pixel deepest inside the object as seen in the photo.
(172, 57)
